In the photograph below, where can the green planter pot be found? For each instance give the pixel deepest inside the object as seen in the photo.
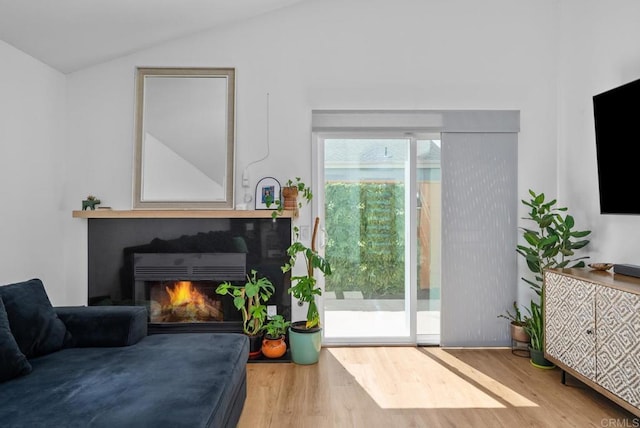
(538, 360)
(304, 343)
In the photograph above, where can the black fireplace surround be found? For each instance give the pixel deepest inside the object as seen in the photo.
(137, 261)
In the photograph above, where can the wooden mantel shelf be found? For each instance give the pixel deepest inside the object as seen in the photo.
(99, 213)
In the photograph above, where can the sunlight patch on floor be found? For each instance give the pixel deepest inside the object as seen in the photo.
(490, 384)
(422, 382)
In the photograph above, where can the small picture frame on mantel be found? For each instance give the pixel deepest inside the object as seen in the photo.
(267, 192)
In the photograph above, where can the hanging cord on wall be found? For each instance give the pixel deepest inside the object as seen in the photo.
(245, 176)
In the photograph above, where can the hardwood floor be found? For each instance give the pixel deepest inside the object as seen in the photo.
(421, 387)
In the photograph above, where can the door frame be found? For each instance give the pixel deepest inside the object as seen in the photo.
(318, 202)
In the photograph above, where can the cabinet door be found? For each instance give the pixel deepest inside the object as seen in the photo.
(618, 341)
(570, 322)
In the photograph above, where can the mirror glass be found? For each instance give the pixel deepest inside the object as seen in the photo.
(184, 138)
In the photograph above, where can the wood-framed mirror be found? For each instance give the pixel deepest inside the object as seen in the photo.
(184, 138)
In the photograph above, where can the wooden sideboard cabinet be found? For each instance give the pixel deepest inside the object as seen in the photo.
(592, 330)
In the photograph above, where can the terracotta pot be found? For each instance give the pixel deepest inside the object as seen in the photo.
(274, 348)
(290, 196)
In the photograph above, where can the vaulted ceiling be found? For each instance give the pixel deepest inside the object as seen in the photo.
(70, 35)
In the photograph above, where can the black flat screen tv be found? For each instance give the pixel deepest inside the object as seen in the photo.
(617, 125)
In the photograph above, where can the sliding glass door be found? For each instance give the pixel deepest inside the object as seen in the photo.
(379, 203)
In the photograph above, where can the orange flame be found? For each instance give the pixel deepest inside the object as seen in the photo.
(184, 293)
(183, 302)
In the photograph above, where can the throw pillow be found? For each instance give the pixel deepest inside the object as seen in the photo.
(13, 363)
(33, 321)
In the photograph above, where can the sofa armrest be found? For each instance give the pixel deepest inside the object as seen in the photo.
(96, 326)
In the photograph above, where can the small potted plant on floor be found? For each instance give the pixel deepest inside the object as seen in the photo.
(518, 324)
(274, 344)
(535, 329)
(250, 300)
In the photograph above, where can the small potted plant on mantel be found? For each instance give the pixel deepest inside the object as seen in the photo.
(90, 203)
(250, 300)
(290, 192)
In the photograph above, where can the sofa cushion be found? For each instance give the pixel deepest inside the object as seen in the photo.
(34, 324)
(104, 325)
(13, 363)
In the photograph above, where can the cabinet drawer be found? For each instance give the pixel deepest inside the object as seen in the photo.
(618, 343)
(570, 323)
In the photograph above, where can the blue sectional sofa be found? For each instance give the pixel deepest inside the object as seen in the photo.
(97, 367)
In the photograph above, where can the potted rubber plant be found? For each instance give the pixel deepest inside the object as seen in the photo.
(551, 244)
(250, 300)
(274, 344)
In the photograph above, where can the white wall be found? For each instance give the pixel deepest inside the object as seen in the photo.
(406, 54)
(599, 51)
(32, 153)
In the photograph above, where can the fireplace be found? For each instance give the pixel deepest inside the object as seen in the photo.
(152, 261)
(180, 287)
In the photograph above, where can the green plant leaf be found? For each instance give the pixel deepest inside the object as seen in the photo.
(569, 221)
(579, 244)
(538, 200)
(238, 302)
(546, 221)
(549, 240)
(531, 238)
